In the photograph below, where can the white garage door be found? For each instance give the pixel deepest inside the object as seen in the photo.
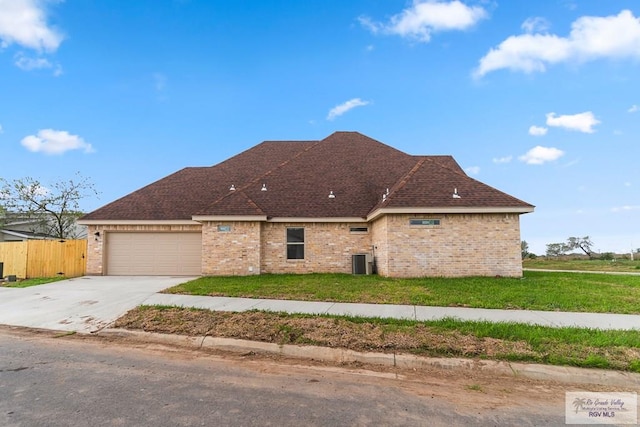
(154, 254)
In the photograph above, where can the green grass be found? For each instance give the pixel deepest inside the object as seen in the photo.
(566, 346)
(549, 291)
(34, 282)
(581, 347)
(551, 263)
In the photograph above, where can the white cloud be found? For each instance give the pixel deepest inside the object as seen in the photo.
(423, 18)
(28, 64)
(339, 110)
(539, 155)
(627, 184)
(499, 160)
(472, 170)
(24, 22)
(537, 131)
(51, 141)
(633, 109)
(591, 38)
(582, 122)
(1, 129)
(626, 208)
(535, 25)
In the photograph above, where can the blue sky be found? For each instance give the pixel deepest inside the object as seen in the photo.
(540, 99)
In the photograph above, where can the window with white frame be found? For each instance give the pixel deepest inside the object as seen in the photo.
(295, 243)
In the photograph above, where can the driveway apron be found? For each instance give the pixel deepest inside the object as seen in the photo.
(83, 304)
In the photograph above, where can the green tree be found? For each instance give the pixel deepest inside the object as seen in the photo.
(55, 208)
(557, 249)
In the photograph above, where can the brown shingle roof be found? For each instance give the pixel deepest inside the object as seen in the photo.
(299, 177)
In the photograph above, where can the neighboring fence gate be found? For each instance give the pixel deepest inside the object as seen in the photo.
(44, 258)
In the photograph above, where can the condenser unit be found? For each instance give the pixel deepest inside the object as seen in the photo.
(361, 264)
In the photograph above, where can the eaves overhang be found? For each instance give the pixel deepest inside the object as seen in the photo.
(318, 219)
(137, 222)
(239, 218)
(450, 210)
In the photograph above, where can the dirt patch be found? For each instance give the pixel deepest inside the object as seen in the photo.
(413, 338)
(329, 332)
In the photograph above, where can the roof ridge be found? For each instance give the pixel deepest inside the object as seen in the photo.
(464, 175)
(260, 178)
(281, 165)
(254, 204)
(459, 172)
(399, 184)
(403, 181)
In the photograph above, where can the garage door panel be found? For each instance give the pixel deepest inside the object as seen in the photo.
(154, 254)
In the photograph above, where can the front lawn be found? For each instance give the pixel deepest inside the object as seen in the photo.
(25, 283)
(554, 263)
(550, 291)
(448, 337)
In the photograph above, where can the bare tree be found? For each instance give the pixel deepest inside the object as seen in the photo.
(56, 207)
(583, 243)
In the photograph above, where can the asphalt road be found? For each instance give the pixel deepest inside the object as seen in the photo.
(49, 380)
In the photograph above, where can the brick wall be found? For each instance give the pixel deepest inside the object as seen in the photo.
(328, 247)
(462, 245)
(95, 244)
(380, 242)
(233, 250)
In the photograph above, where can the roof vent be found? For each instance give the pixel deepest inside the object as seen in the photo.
(331, 195)
(232, 188)
(385, 194)
(455, 194)
(264, 187)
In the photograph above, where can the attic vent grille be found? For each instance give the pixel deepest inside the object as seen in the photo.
(432, 222)
(359, 229)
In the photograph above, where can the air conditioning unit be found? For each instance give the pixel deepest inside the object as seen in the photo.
(362, 264)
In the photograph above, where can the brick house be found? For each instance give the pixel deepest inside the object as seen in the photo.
(347, 203)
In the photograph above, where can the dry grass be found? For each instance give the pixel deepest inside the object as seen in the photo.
(444, 338)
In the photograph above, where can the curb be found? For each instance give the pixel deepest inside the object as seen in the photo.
(564, 374)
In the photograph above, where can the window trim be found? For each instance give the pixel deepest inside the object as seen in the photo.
(288, 243)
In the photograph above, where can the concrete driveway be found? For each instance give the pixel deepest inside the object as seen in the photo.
(83, 304)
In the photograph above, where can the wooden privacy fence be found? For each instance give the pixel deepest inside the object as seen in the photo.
(44, 258)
